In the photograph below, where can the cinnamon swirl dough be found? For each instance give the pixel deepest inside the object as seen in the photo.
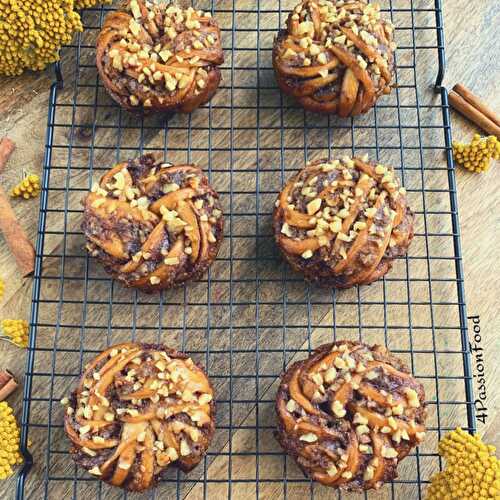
(153, 225)
(343, 222)
(155, 56)
(349, 414)
(138, 409)
(335, 56)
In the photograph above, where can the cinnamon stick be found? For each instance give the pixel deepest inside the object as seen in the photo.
(17, 240)
(472, 99)
(474, 114)
(8, 384)
(6, 149)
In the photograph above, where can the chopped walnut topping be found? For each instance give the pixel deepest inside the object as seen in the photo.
(309, 437)
(204, 399)
(95, 471)
(313, 206)
(330, 375)
(412, 397)
(185, 450)
(307, 254)
(362, 429)
(388, 452)
(369, 473)
(291, 406)
(84, 429)
(338, 409)
(359, 419)
(340, 363)
(332, 471)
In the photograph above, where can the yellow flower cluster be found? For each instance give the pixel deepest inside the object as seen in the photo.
(472, 471)
(85, 4)
(29, 187)
(9, 441)
(476, 156)
(33, 31)
(16, 330)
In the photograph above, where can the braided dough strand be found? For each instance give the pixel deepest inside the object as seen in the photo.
(342, 222)
(153, 225)
(335, 58)
(137, 409)
(157, 56)
(338, 419)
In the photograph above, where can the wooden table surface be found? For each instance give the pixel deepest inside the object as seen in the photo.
(472, 52)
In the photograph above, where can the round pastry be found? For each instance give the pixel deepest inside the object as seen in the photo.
(153, 225)
(343, 222)
(335, 56)
(349, 414)
(154, 56)
(138, 409)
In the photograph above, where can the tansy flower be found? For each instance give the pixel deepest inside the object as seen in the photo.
(476, 156)
(16, 331)
(9, 441)
(472, 470)
(85, 4)
(29, 187)
(33, 31)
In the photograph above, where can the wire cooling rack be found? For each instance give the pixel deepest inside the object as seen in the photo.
(250, 315)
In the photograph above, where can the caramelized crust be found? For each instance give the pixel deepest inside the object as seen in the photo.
(155, 56)
(335, 57)
(153, 225)
(349, 414)
(342, 222)
(138, 409)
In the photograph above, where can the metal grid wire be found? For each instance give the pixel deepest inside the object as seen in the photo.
(250, 315)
